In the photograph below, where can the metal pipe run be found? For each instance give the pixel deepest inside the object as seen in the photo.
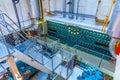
(71, 8)
(114, 26)
(77, 8)
(112, 47)
(74, 14)
(41, 10)
(64, 8)
(16, 12)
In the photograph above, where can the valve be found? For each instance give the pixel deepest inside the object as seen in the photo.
(117, 49)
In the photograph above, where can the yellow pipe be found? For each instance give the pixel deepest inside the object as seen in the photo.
(41, 10)
(106, 20)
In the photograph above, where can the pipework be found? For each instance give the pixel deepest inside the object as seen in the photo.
(113, 28)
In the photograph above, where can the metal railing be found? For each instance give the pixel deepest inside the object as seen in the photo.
(7, 31)
(98, 62)
(17, 39)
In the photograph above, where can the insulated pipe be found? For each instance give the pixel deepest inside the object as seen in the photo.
(41, 9)
(114, 28)
(112, 45)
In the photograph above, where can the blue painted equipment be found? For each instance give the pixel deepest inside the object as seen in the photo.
(22, 67)
(91, 73)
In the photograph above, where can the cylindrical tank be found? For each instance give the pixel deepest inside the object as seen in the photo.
(114, 26)
(112, 47)
(34, 8)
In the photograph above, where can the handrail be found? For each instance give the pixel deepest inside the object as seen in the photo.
(34, 59)
(15, 30)
(4, 14)
(19, 34)
(4, 41)
(13, 22)
(75, 46)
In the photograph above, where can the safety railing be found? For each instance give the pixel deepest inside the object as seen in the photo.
(66, 67)
(10, 36)
(43, 51)
(50, 55)
(101, 62)
(3, 17)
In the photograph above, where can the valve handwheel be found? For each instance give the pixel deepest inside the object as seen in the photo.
(117, 49)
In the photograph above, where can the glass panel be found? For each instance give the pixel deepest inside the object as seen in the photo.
(102, 62)
(57, 60)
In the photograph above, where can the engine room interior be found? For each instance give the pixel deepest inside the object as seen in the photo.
(59, 40)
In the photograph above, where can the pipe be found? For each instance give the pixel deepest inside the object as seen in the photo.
(77, 8)
(71, 8)
(114, 26)
(112, 47)
(75, 14)
(41, 10)
(16, 12)
(13, 69)
(21, 12)
(64, 8)
(106, 20)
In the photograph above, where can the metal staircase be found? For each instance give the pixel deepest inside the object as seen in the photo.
(47, 57)
(12, 38)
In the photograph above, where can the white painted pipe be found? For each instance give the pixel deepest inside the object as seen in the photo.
(112, 47)
(114, 26)
(117, 69)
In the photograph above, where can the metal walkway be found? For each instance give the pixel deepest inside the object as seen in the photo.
(47, 57)
(47, 63)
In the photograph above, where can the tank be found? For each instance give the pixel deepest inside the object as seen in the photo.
(114, 25)
(114, 28)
